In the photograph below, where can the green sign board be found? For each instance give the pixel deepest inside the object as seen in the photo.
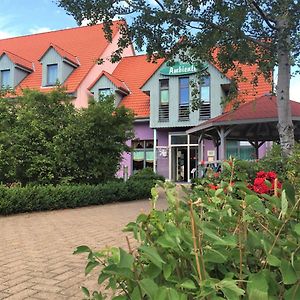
(178, 69)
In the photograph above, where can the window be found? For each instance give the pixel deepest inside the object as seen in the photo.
(184, 91)
(143, 155)
(205, 98)
(104, 92)
(242, 150)
(5, 78)
(52, 75)
(164, 91)
(205, 89)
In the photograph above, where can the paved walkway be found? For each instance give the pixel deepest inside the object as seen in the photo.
(36, 260)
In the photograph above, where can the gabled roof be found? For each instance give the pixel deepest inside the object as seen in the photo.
(87, 43)
(135, 71)
(262, 109)
(117, 82)
(18, 61)
(63, 53)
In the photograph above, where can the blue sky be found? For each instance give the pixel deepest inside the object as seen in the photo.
(20, 17)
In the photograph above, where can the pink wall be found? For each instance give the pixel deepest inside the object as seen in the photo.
(82, 92)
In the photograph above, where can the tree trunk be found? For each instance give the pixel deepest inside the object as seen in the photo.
(285, 124)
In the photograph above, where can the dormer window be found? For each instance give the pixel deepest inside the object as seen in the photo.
(5, 78)
(52, 74)
(105, 92)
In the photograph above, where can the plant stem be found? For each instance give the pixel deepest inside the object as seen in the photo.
(195, 241)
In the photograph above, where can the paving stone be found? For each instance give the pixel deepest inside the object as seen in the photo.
(36, 260)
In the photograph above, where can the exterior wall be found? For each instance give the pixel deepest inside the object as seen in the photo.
(216, 94)
(7, 64)
(104, 83)
(19, 75)
(162, 162)
(66, 70)
(82, 95)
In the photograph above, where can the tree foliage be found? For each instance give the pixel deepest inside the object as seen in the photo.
(44, 139)
(254, 32)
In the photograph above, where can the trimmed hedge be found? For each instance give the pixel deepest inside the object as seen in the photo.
(37, 197)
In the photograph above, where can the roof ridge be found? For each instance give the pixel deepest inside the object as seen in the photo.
(62, 49)
(55, 30)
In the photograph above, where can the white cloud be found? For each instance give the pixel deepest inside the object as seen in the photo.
(5, 34)
(295, 88)
(39, 30)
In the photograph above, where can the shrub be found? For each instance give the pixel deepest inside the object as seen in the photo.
(229, 243)
(29, 198)
(146, 174)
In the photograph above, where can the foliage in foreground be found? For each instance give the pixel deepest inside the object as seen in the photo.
(45, 140)
(228, 243)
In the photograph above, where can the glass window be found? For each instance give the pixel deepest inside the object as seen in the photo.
(184, 91)
(164, 91)
(104, 92)
(52, 74)
(179, 139)
(205, 89)
(5, 78)
(143, 154)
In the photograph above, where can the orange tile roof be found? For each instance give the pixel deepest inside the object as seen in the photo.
(63, 53)
(135, 71)
(19, 61)
(121, 85)
(87, 43)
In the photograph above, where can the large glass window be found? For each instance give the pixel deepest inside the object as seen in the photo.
(143, 154)
(205, 89)
(52, 74)
(241, 150)
(184, 91)
(164, 91)
(5, 78)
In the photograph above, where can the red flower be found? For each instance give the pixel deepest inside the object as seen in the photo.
(271, 175)
(212, 186)
(261, 174)
(216, 175)
(202, 163)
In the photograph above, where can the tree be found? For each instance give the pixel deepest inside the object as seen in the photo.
(89, 149)
(254, 32)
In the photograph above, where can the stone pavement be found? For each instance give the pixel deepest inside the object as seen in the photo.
(36, 260)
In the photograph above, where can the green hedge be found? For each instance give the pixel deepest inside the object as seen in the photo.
(37, 197)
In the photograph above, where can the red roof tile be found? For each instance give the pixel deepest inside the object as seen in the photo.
(117, 82)
(262, 108)
(135, 71)
(19, 61)
(87, 43)
(63, 53)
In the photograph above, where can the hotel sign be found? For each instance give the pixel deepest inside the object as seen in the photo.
(178, 69)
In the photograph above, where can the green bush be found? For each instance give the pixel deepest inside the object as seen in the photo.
(29, 198)
(229, 243)
(146, 174)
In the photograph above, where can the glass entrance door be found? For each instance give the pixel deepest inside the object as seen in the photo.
(179, 166)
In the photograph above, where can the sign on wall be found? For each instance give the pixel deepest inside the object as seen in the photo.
(178, 69)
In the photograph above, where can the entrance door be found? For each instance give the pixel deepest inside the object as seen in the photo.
(179, 165)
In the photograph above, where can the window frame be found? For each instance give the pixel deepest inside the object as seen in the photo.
(164, 88)
(100, 90)
(144, 149)
(184, 87)
(205, 85)
(2, 85)
(48, 82)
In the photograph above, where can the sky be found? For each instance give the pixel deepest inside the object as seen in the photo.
(20, 17)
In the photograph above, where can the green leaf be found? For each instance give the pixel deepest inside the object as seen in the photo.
(257, 287)
(120, 298)
(288, 273)
(255, 202)
(273, 260)
(290, 192)
(152, 254)
(126, 260)
(293, 293)
(214, 256)
(230, 289)
(149, 287)
(85, 291)
(284, 204)
(188, 284)
(82, 249)
(90, 266)
(297, 228)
